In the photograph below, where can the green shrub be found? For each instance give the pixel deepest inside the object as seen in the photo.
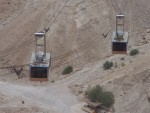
(98, 94)
(67, 70)
(107, 65)
(94, 93)
(134, 52)
(106, 98)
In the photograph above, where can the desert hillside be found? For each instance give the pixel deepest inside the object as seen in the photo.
(79, 33)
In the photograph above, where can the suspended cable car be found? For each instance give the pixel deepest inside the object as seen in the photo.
(40, 60)
(119, 37)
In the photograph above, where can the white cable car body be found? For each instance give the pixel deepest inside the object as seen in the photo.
(119, 37)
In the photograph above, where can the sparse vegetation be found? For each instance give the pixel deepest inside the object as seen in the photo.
(134, 52)
(98, 94)
(122, 58)
(123, 64)
(53, 81)
(107, 65)
(67, 70)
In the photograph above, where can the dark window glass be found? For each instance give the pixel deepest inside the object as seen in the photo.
(39, 72)
(119, 46)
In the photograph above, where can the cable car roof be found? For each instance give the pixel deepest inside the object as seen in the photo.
(120, 15)
(39, 34)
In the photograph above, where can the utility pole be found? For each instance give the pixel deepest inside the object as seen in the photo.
(18, 71)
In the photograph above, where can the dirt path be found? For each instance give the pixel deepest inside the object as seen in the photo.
(55, 99)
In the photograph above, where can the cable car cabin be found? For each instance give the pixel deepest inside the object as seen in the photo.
(119, 45)
(39, 68)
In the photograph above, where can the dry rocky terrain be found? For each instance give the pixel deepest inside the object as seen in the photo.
(74, 38)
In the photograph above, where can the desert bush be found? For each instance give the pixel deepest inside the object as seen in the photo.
(107, 65)
(134, 52)
(98, 94)
(122, 58)
(93, 93)
(67, 70)
(106, 98)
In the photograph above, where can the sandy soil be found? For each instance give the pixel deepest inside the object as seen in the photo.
(52, 99)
